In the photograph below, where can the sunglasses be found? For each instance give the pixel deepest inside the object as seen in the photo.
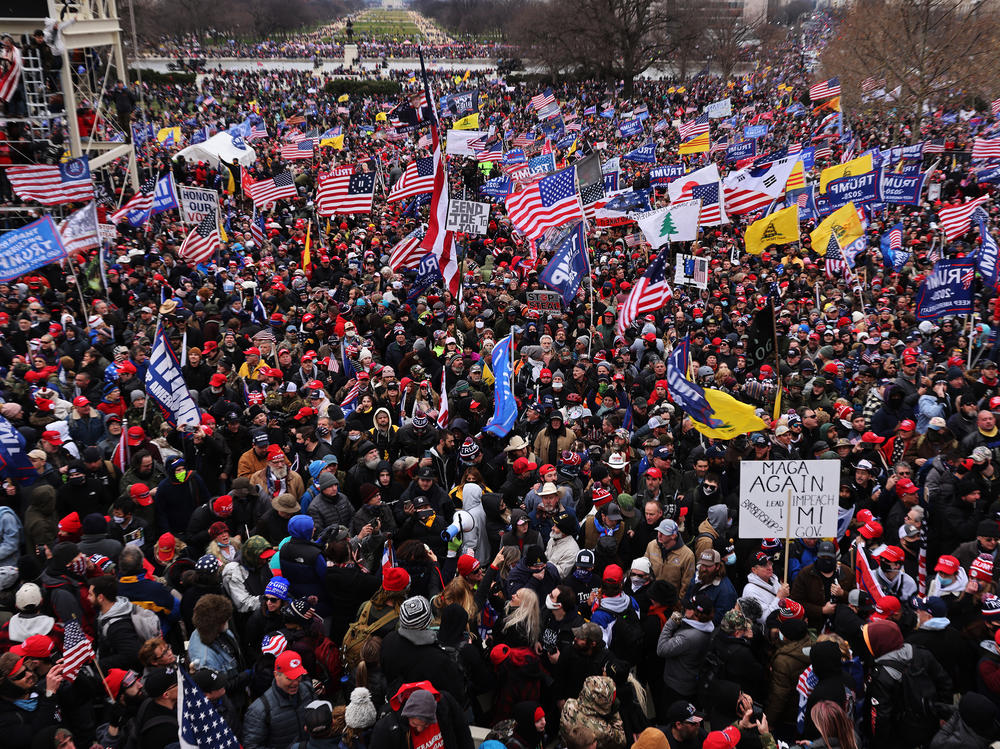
(272, 599)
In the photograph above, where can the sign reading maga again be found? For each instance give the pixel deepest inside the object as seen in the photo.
(765, 510)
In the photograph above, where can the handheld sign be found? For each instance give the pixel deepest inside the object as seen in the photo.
(467, 216)
(765, 509)
(544, 299)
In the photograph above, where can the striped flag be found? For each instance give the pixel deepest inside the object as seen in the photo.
(257, 229)
(48, 184)
(934, 146)
(10, 79)
(257, 130)
(864, 576)
(294, 136)
(203, 241)
(695, 127)
(544, 99)
(443, 417)
(550, 202)
(955, 220)
(79, 231)
(77, 650)
(417, 179)
(836, 266)
(120, 457)
(986, 149)
(825, 89)
(525, 139)
(650, 292)
(301, 149)
(345, 193)
(388, 556)
(270, 190)
(438, 240)
(407, 252)
(200, 725)
(702, 184)
(140, 203)
(995, 107)
(491, 151)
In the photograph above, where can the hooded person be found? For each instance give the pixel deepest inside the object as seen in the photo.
(892, 722)
(790, 659)
(421, 715)
(475, 541)
(62, 582)
(595, 709)
(302, 562)
(528, 716)
(832, 683)
(41, 524)
(711, 528)
(412, 650)
(972, 726)
(177, 497)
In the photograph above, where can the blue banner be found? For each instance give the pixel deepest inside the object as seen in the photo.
(898, 188)
(542, 164)
(742, 150)
(664, 175)
(505, 408)
(498, 187)
(990, 175)
(894, 258)
(568, 266)
(636, 201)
(644, 154)
(987, 257)
(165, 385)
(428, 272)
(630, 128)
(30, 247)
(460, 104)
(610, 183)
(859, 189)
(947, 290)
(14, 461)
(165, 195)
(754, 131)
(687, 394)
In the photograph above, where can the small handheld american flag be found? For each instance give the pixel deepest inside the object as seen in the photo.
(77, 650)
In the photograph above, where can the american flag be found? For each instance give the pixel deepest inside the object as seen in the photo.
(544, 99)
(836, 266)
(995, 107)
(345, 193)
(274, 644)
(896, 239)
(871, 84)
(11, 78)
(443, 414)
(141, 201)
(934, 146)
(523, 140)
(301, 149)
(825, 89)
(294, 136)
(257, 228)
(79, 231)
(257, 130)
(955, 221)
(698, 126)
(438, 240)
(823, 152)
(269, 190)
(935, 253)
(986, 149)
(407, 252)
(200, 725)
(68, 182)
(552, 201)
(491, 151)
(650, 292)
(202, 242)
(77, 650)
(417, 179)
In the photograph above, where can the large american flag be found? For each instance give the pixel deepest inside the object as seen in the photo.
(552, 201)
(267, 191)
(345, 193)
(934, 146)
(300, 149)
(79, 231)
(825, 89)
(257, 130)
(522, 140)
(142, 201)
(544, 99)
(438, 240)
(200, 725)
(955, 221)
(650, 293)
(407, 252)
(995, 107)
(77, 650)
(836, 266)
(492, 150)
(417, 179)
(48, 184)
(983, 148)
(698, 126)
(202, 242)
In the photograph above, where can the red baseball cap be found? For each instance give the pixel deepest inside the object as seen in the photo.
(81, 401)
(892, 554)
(947, 564)
(885, 608)
(165, 547)
(136, 435)
(907, 425)
(468, 565)
(905, 486)
(36, 646)
(871, 529)
(727, 738)
(52, 437)
(289, 664)
(613, 574)
(140, 494)
(253, 350)
(217, 380)
(655, 473)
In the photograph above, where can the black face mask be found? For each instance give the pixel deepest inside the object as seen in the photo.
(826, 564)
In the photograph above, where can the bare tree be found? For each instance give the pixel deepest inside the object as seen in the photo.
(725, 41)
(935, 51)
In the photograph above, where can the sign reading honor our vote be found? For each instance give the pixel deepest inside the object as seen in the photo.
(468, 217)
(197, 203)
(789, 498)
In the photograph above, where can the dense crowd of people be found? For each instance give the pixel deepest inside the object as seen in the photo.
(340, 554)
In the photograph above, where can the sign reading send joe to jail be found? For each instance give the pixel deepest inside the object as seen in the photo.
(765, 510)
(467, 216)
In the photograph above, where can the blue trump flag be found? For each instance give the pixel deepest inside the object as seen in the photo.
(14, 461)
(947, 290)
(568, 266)
(32, 246)
(630, 128)
(505, 408)
(428, 271)
(902, 189)
(744, 149)
(687, 394)
(165, 195)
(165, 385)
(891, 245)
(665, 174)
(644, 154)
(987, 256)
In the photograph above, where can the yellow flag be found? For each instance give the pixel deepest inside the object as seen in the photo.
(222, 233)
(169, 136)
(859, 165)
(797, 178)
(381, 117)
(681, 90)
(843, 223)
(306, 254)
(671, 90)
(488, 377)
(230, 183)
(457, 79)
(735, 416)
(831, 104)
(572, 148)
(343, 98)
(697, 144)
(777, 404)
(253, 106)
(468, 72)
(781, 227)
(468, 123)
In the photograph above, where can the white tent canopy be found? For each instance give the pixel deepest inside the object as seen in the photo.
(219, 146)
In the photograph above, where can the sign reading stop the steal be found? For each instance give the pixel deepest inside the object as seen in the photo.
(467, 216)
(765, 509)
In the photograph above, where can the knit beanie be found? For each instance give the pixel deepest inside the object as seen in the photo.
(360, 712)
(415, 613)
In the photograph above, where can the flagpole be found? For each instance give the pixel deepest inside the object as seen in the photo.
(156, 332)
(83, 302)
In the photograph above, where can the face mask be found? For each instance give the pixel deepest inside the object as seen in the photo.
(550, 604)
(29, 703)
(181, 474)
(709, 489)
(826, 564)
(371, 463)
(731, 559)
(323, 431)
(556, 533)
(581, 574)
(118, 520)
(480, 324)
(945, 580)
(354, 437)
(557, 386)
(78, 566)
(781, 636)
(638, 582)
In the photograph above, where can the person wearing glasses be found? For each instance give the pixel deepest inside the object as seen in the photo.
(22, 715)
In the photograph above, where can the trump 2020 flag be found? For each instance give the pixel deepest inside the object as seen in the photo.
(947, 290)
(644, 154)
(988, 256)
(891, 245)
(32, 246)
(568, 266)
(14, 462)
(505, 408)
(165, 385)
(165, 194)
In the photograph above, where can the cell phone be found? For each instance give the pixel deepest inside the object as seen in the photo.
(757, 712)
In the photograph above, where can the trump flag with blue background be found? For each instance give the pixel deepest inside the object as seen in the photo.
(568, 266)
(505, 406)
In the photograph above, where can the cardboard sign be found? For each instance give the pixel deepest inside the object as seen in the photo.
(196, 203)
(765, 509)
(691, 270)
(544, 300)
(467, 216)
(109, 232)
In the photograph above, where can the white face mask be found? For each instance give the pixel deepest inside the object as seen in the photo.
(556, 533)
(118, 520)
(556, 385)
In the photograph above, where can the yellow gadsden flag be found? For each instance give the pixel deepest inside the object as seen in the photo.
(468, 123)
(381, 117)
(843, 223)
(735, 416)
(781, 227)
(697, 144)
(344, 98)
(859, 165)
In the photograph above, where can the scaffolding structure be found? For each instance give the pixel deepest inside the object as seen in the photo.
(91, 32)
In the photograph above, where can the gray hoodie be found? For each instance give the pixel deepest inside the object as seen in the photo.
(475, 542)
(718, 516)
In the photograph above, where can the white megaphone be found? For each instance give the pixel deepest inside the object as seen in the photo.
(463, 522)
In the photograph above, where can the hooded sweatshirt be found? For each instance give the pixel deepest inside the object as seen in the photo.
(475, 541)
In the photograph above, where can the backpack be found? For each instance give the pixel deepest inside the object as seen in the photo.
(913, 697)
(146, 623)
(358, 633)
(328, 656)
(711, 666)
(627, 636)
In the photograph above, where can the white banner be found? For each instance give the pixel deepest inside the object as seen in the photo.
(800, 495)
(458, 141)
(691, 270)
(467, 216)
(721, 108)
(196, 203)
